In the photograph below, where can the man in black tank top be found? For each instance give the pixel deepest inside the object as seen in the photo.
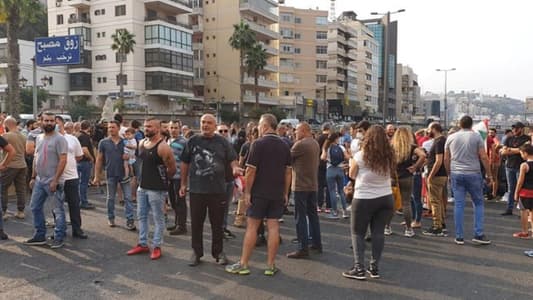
(158, 165)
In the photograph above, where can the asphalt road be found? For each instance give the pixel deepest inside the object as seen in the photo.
(417, 268)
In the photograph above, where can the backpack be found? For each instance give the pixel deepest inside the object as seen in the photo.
(336, 155)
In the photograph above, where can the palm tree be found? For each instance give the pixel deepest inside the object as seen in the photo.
(15, 14)
(256, 60)
(123, 44)
(242, 39)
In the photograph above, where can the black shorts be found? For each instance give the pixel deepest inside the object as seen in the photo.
(525, 203)
(262, 208)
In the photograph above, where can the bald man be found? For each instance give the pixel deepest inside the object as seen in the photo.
(305, 159)
(203, 170)
(14, 171)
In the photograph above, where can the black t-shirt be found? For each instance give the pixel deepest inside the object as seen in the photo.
(321, 140)
(401, 167)
(85, 141)
(245, 150)
(437, 148)
(270, 156)
(514, 161)
(3, 142)
(208, 159)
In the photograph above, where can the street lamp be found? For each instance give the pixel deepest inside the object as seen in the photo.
(445, 93)
(23, 81)
(386, 60)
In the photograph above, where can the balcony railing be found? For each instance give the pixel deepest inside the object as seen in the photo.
(167, 20)
(262, 100)
(262, 30)
(79, 19)
(262, 83)
(261, 8)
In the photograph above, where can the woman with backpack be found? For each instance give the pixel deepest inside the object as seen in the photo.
(409, 158)
(336, 156)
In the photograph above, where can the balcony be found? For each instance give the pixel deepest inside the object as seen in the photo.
(261, 83)
(352, 43)
(197, 46)
(352, 55)
(169, 20)
(271, 68)
(197, 7)
(79, 3)
(79, 19)
(262, 32)
(198, 81)
(270, 50)
(198, 27)
(262, 100)
(172, 7)
(260, 8)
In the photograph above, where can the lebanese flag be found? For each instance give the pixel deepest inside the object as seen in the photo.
(483, 129)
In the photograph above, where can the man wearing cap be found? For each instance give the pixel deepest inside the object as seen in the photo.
(511, 150)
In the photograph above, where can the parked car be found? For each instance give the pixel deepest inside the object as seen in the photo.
(26, 117)
(293, 122)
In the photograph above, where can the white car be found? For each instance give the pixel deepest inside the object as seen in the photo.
(293, 122)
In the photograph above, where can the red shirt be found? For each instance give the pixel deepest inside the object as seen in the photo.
(420, 139)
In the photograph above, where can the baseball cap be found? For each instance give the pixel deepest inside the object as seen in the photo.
(518, 125)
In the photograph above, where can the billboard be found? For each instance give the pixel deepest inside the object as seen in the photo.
(58, 50)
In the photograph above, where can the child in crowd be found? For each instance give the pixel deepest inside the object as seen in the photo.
(524, 190)
(130, 146)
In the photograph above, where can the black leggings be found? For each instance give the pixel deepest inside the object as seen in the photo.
(376, 213)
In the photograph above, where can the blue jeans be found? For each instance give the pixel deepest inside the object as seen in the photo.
(473, 184)
(305, 205)
(84, 173)
(112, 183)
(416, 199)
(512, 180)
(335, 177)
(41, 192)
(155, 200)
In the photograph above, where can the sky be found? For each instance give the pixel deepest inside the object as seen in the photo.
(489, 42)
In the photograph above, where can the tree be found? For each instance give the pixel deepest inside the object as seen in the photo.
(15, 14)
(242, 39)
(26, 95)
(256, 60)
(123, 44)
(81, 109)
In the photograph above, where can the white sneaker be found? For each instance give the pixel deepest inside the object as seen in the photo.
(345, 214)
(409, 232)
(349, 208)
(450, 200)
(505, 197)
(388, 230)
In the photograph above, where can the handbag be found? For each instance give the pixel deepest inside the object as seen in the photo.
(396, 195)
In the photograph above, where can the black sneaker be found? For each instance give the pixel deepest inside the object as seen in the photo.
(35, 242)
(357, 272)
(444, 230)
(373, 271)
(481, 240)
(433, 232)
(228, 234)
(57, 244)
(130, 224)
(459, 241)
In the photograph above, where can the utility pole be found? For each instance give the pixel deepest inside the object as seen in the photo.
(34, 88)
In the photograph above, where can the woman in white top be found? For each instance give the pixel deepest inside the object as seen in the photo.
(372, 201)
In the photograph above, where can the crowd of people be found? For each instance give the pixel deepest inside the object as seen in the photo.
(364, 172)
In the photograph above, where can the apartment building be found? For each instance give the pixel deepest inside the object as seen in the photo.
(216, 64)
(411, 103)
(157, 74)
(303, 60)
(341, 90)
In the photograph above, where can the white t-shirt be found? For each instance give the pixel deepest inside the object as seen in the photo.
(355, 146)
(122, 131)
(368, 184)
(130, 152)
(74, 150)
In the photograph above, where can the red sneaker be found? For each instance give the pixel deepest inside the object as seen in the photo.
(156, 253)
(138, 250)
(521, 235)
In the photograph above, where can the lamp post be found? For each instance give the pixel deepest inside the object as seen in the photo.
(386, 59)
(445, 93)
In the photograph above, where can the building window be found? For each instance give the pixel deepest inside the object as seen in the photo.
(369, 66)
(368, 55)
(321, 64)
(124, 78)
(368, 77)
(168, 82)
(321, 78)
(59, 19)
(285, 48)
(100, 57)
(321, 49)
(286, 33)
(297, 50)
(297, 36)
(168, 59)
(285, 17)
(104, 79)
(99, 79)
(98, 35)
(297, 20)
(81, 82)
(368, 87)
(120, 10)
(103, 34)
(321, 20)
(99, 12)
(321, 35)
(160, 34)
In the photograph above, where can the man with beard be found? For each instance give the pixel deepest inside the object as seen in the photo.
(177, 143)
(203, 170)
(111, 153)
(49, 163)
(164, 130)
(157, 166)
